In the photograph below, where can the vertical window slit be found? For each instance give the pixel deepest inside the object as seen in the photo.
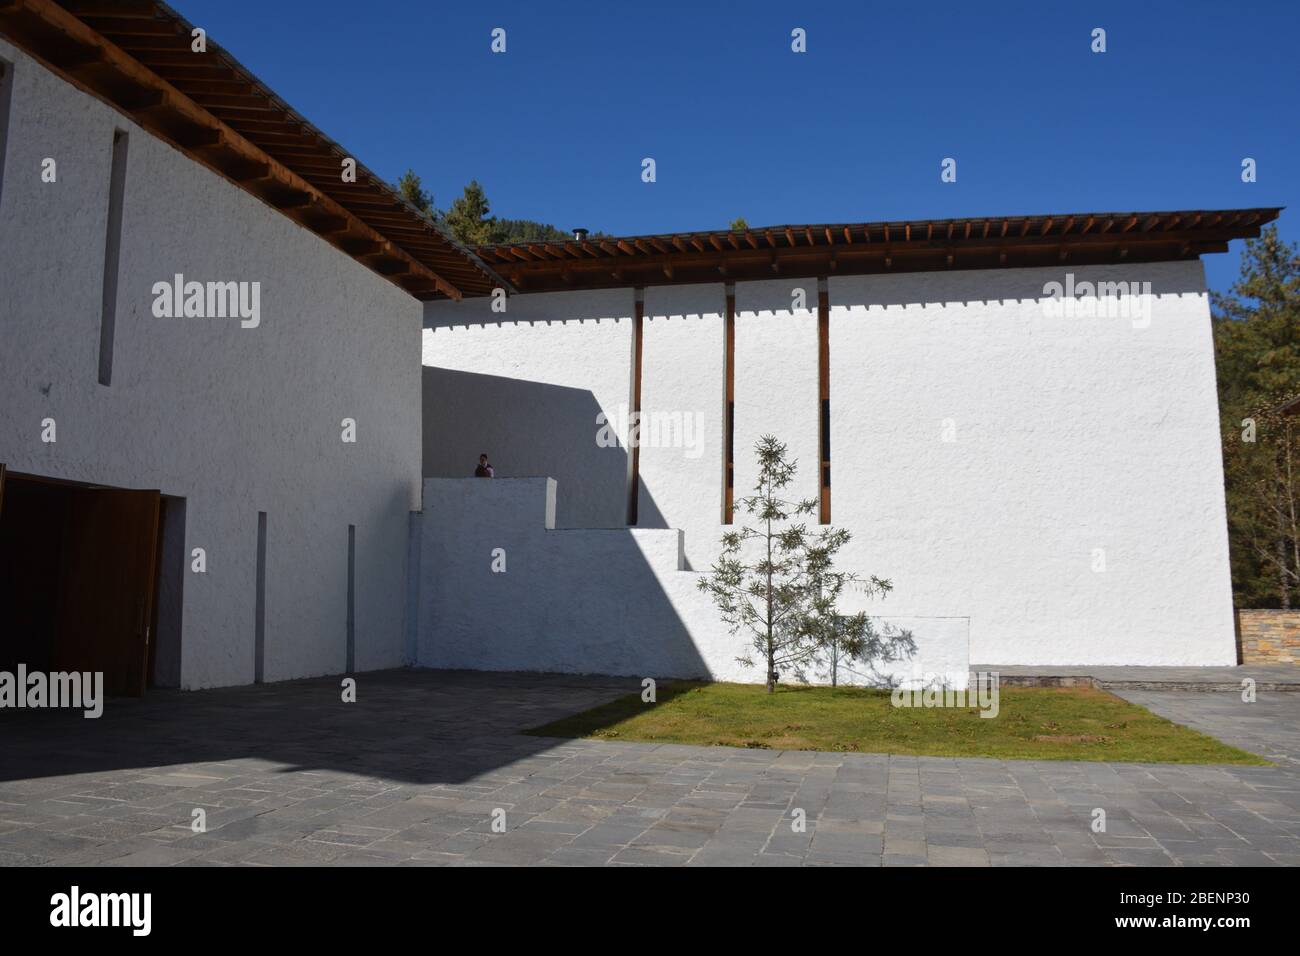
(352, 598)
(112, 251)
(259, 640)
(6, 94)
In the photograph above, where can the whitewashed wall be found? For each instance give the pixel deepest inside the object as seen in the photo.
(682, 375)
(1074, 441)
(776, 380)
(597, 601)
(526, 386)
(234, 420)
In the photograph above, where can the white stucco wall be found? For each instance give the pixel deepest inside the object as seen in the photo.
(776, 381)
(682, 379)
(526, 386)
(234, 420)
(592, 601)
(1074, 439)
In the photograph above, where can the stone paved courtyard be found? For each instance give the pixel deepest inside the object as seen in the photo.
(412, 772)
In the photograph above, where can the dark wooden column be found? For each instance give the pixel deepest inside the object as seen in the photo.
(824, 397)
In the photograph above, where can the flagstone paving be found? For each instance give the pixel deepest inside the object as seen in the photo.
(417, 771)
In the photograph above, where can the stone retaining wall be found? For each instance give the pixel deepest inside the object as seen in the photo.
(1268, 637)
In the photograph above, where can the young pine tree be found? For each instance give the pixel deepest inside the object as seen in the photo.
(776, 583)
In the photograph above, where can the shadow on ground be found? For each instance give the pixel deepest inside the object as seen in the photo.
(409, 726)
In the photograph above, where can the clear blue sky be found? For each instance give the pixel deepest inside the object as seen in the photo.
(855, 129)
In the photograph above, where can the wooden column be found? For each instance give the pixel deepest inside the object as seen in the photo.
(634, 418)
(824, 397)
(729, 410)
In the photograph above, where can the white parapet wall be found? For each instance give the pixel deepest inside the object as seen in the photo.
(502, 589)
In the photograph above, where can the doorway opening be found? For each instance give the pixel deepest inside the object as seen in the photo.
(90, 580)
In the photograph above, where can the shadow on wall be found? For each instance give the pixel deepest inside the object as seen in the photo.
(502, 590)
(531, 429)
(1026, 286)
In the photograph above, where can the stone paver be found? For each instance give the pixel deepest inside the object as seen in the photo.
(414, 772)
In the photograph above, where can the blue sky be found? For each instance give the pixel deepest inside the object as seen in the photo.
(855, 129)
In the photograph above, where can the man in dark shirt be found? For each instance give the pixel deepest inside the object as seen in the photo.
(484, 469)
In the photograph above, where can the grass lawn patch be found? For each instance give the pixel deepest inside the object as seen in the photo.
(1033, 723)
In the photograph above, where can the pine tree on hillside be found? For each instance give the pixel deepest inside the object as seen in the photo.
(413, 191)
(468, 217)
(1257, 356)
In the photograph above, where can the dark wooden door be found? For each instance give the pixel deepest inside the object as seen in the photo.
(107, 583)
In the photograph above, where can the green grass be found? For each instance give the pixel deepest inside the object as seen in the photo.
(1032, 724)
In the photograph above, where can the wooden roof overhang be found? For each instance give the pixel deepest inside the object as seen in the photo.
(136, 56)
(927, 245)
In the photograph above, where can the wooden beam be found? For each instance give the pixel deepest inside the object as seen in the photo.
(177, 74)
(359, 245)
(143, 9)
(389, 265)
(286, 199)
(729, 407)
(178, 58)
(824, 402)
(193, 137)
(140, 101)
(634, 425)
(115, 26)
(215, 101)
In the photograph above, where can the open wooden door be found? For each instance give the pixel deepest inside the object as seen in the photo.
(107, 584)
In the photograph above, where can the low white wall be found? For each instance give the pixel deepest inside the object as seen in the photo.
(234, 420)
(589, 601)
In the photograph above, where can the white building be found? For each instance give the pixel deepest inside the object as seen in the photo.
(216, 485)
(1048, 469)
(229, 431)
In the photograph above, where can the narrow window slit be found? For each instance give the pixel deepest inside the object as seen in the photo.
(6, 95)
(259, 639)
(112, 253)
(352, 598)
